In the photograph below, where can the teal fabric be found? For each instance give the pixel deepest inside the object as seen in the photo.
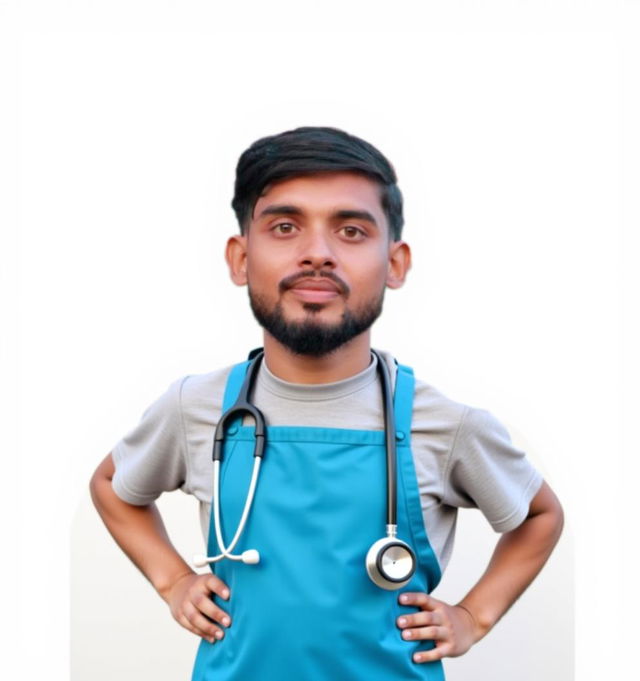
(308, 611)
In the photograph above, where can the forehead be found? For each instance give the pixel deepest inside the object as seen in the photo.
(324, 192)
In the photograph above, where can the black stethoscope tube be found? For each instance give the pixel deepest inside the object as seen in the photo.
(241, 406)
(390, 436)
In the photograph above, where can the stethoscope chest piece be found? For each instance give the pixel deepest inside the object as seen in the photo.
(390, 563)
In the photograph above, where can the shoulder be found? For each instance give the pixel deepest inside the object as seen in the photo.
(430, 401)
(463, 422)
(452, 420)
(434, 411)
(203, 391)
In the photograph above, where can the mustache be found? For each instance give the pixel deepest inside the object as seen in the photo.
(290, 281)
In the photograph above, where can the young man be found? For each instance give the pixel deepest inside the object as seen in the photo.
(320, 218)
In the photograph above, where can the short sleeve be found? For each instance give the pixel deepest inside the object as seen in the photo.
(152, 457)
(487, 472)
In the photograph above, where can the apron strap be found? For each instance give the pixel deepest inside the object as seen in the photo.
(403, 404)
(403, 400)
(235, 380)
(234, 383)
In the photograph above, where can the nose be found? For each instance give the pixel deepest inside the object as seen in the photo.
(316, 252)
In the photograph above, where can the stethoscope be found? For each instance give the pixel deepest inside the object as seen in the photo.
(390, 562)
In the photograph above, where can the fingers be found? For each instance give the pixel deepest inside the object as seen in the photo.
(429, 623)
(197, 623)
(423, 626)
(419, 599)
(196, 610)
(420, 619)
(437, 653)
(217, 586)
(205, 605)
(426, 633)
(208, 632)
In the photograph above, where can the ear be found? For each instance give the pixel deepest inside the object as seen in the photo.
(236, 256)
(399, 263)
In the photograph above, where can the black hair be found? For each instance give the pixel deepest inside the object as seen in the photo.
(309, 150)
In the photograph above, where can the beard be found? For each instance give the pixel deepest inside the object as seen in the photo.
(310, 337)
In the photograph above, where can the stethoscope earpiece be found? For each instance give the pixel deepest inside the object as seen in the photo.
(200, 560)
(250, 557)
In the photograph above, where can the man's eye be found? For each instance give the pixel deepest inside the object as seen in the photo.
(353, 232)
(284, 227)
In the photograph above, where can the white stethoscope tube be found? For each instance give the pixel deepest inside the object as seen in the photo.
(250, 556)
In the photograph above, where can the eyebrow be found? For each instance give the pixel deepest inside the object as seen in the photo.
(341, 214)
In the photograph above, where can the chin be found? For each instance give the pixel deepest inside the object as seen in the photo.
(314, 307)
(303, 310)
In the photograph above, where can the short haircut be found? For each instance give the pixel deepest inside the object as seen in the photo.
(309, 150)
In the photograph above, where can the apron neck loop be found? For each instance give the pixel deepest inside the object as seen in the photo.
(403, 402)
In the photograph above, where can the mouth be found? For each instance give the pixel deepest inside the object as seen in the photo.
(315, 290)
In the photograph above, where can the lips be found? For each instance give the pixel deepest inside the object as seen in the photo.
(315, 290)
(316, 285)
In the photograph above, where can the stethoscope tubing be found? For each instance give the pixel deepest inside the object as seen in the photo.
(390, 440)
(226, 550)
(379, 551)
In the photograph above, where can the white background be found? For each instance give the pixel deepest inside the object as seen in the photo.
(513, 128)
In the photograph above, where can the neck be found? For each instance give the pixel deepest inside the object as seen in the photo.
(347, 360)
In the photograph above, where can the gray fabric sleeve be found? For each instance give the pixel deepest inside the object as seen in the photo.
(152, 457)
(487, 472)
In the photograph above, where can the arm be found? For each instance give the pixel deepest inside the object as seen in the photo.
(141, 534)
(517, 559)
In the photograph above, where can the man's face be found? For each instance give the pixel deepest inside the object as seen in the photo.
(316, 258)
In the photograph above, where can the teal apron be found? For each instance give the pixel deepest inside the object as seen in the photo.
(308, 611)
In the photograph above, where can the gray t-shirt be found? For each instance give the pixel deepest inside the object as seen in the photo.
(463, 455)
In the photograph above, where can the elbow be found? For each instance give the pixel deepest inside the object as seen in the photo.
(555, 514)
(555, 520)
(547, 508)
(95, 485)
(559, 520)
(102, 476)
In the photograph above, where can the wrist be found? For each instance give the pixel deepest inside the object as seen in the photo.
(480, 626)
(165, 586)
